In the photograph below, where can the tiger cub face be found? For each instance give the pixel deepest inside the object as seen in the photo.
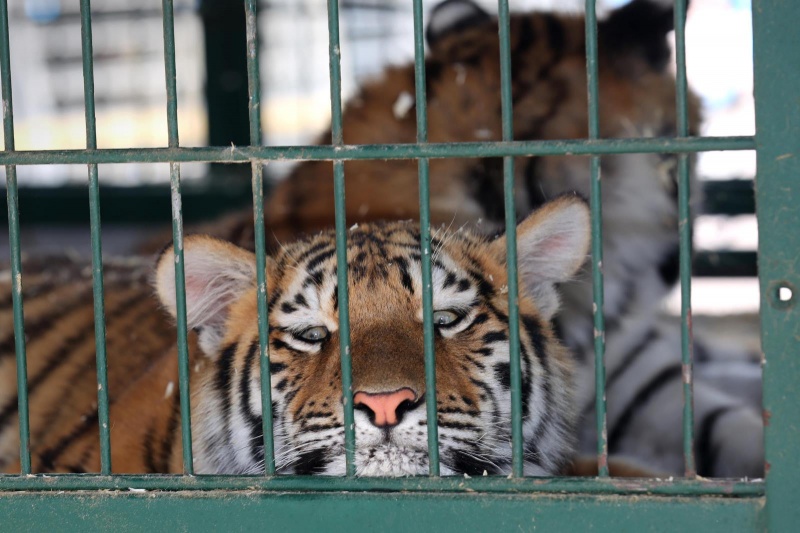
(470, 302)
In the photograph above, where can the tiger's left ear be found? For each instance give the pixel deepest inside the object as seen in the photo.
(216, 275)
(552, 245)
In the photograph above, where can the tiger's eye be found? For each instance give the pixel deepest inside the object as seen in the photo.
(315, 334)
(444, 318)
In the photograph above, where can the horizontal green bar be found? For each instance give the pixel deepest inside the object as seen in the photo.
(232, 154)
(372, 512)
(676, 487)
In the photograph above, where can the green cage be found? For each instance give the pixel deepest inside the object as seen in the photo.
(193, 502)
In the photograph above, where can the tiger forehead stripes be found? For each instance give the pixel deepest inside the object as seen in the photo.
(385, 286)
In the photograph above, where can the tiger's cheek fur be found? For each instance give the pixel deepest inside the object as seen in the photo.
(313, 409)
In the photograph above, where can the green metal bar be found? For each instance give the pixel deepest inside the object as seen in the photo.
(97, 251)
(180, 305)
(507, 110)
(263, 321)
(425, 241)
(685, 231)
(237, 154)
(253, 71)
(14, 246)
(334, 64)
(337, 139)
(254, 105)
(177, 237)
(170, 72)
(733, 488)
(776, 48)
(368, 512)
(597, 243)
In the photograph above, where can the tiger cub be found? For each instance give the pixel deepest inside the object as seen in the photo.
(470, 301)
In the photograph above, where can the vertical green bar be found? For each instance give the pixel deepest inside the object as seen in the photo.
(97, 252)
(13, 239)
(334, 54)
(685, 246)
(254, 105)
(597, 243)
(777, 85)
(425, 241)
(517, 457)
(177, 237)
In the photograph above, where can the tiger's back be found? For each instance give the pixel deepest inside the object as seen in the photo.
(462, 77)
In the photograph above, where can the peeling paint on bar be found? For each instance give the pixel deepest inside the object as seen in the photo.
(687, 374)
(177, 206)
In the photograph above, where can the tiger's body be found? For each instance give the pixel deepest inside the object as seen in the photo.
(471, 342)
(640, 215)
(62, 383)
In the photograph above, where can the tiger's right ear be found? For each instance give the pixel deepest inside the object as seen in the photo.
(216, 275)
(552, 245)
(452, 16)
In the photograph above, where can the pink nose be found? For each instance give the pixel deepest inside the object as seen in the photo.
(384, 405)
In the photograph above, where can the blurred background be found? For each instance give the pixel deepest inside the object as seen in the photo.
(212, 110)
